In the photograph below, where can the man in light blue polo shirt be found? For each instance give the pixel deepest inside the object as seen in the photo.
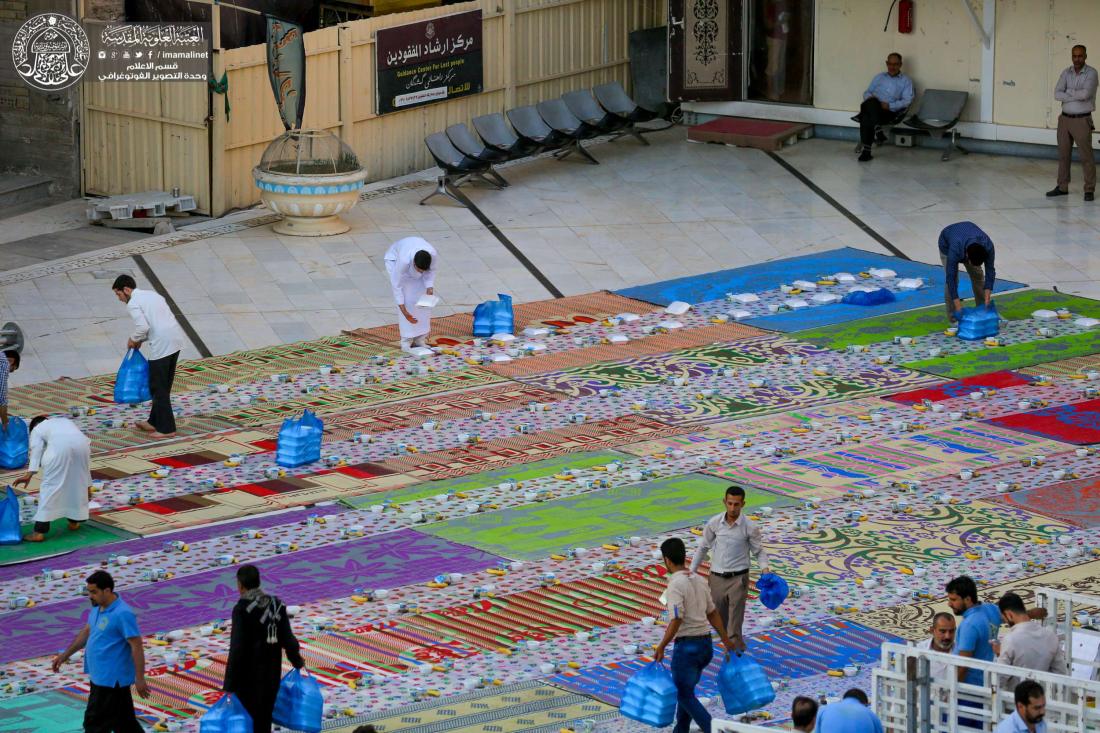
(885, 102)
(1031, 704)
(978, 628)
(851, 715)
(113, 658)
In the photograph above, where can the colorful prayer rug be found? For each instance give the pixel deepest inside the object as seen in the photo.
(1075, 366)
(444, 405)
(1077, 423)
(925, 321)
(652, 507)
(60, 540)
(912, 621)
(492, 455)
(48, 711)
(844, 548)
(961, 387)
(655, 344)
(786, 653)
(258, 497)
(519, 473)
(526, 707)
(236, 368)
(558, 312)
(380, 561)
(335, 401)
(1074, 502)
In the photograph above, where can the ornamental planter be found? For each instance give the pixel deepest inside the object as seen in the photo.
(310, 177)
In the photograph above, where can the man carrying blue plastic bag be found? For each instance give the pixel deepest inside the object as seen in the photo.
(690, 608)
(260, 633)
(411, 264)
(964, 243)
(155, 325)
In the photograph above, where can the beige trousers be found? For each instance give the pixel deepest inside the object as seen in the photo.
(977, 282)
(1075, 130)
(729, 596)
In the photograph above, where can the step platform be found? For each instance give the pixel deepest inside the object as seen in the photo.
(749, 133)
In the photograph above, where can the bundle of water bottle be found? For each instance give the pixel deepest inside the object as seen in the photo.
(298, 706)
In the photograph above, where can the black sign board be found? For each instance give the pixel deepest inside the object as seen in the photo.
(431, 61)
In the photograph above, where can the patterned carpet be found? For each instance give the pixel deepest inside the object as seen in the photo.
(477, 550)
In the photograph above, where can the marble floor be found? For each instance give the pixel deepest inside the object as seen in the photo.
(646, 213)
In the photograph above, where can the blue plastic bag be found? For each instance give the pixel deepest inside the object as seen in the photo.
(650, 696)
(299, 704)
(299, 441)
(979, 322)
(773, 590)
(743, 685)
(227, 715)
(10, 533)
(14, 444)
(874, 297)
(494, 316)
(132, 381)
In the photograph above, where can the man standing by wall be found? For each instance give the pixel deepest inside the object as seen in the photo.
(1076, 90)
(734, 538)
(155, 324)
(885, 101)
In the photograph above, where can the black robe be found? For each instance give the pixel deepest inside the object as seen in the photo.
(260, 633)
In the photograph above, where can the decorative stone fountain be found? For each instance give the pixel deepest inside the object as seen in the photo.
(310, 177)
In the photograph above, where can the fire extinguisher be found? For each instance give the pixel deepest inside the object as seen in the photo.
(905, 16)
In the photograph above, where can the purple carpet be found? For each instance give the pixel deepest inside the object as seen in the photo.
(93, 555)
(404, 557)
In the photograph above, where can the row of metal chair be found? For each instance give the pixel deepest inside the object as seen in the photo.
(558, 124)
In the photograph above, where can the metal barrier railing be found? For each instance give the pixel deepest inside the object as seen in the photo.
(1081, 641)
(907, 697)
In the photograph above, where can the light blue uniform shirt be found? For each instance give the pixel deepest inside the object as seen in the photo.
(847, 716)
(1015, 724)
(896, 91)
(978, 627)
(107, 656)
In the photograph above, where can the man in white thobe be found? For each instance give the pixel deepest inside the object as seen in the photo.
(61, 452)
(411, 264)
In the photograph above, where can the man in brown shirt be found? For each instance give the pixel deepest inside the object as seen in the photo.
(691, 613)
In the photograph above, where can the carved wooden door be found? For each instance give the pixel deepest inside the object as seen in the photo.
(705, 50)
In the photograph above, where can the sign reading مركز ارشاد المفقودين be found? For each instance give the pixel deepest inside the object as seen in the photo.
(430, 61)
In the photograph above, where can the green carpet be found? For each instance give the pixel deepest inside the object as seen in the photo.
(59, 541)
(523, 472)
(42, 712)
(536, 531)
(923, 321)
(1010, 357)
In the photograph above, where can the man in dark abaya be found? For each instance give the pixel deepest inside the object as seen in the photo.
(260, 634)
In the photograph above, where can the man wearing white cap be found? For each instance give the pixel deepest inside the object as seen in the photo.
(411, 264)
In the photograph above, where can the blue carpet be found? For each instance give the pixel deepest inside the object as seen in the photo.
(769, 275)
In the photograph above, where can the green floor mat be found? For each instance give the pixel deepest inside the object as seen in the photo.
(536, 531)
(1011, 357)
(42, 712)
(1011, 306)
(59, 541)
(523, 472)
